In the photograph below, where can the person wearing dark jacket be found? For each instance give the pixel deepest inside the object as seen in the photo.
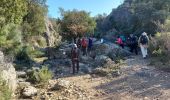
(75, 58)
(133, 43)
(84, 46)
(90, 44)
(79, 43)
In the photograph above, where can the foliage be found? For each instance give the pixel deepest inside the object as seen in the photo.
(34, 22)
(10, 37)
(76, 23)
(160, 47)
(27, 53)
(136, 16)
(56, 24)
(19, 21)
(40, 76)
(5, 91)
(45, 74)
(12, 11)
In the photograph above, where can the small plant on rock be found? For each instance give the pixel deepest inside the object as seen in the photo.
(5, 91)
(44, 74)
(40, 76)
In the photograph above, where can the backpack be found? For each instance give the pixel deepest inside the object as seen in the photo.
(133, 40)
(143, 39)
(123, 38)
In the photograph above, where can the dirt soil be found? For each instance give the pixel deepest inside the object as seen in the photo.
(138, 81)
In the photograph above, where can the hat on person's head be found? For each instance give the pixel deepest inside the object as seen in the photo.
(75, 45)
(144, 33)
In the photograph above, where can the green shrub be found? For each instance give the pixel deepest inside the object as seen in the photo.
(28, 53)
(158, 52)
(40, 76)
(36, 54)
(159, 48)
(159, 45)
(41, 42)
(5, 91)
(23, 54)
(44, 74)
(10, 38)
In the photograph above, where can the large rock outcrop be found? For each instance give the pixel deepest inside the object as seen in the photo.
(51, 36)
(8, 73)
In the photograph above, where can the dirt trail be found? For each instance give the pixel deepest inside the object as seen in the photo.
(137, 82)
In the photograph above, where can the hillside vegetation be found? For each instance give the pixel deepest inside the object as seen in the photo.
(39, 48)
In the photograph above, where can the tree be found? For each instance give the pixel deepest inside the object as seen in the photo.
(136, 16)
(11, 16)
(76, 23)
(34, 21)
(12, 11)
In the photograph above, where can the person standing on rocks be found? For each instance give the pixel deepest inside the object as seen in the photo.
(90, 44)
(143, 42)
(75, 58)
(133, 43)
(84, 46)
(79, 43)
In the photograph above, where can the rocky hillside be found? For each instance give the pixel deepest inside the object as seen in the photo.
(52, 37)
(136, 16)
(8, 74)
(119, 16)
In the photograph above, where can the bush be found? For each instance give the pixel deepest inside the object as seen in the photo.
(23, 54)
(160, 47)
(5, 91)
(10, 38)
(27, 53)
(40, 76)
(44, 74)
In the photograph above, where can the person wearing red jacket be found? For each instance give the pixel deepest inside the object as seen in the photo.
(84, 46)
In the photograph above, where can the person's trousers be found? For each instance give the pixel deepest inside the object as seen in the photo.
(134, 47)
(121, 45)
(144, 51)
(84, 51)
(75, 64)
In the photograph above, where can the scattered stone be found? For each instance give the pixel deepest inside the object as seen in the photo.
(8, 74)
(100, 71)
(21, 80)
(21, 74)
(1, 57)
(24, 84)
(61, 84)
(115, 73)
(36, 68)
(29, 91)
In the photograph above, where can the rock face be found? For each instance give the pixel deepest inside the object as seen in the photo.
(51, 36)
(8, 73)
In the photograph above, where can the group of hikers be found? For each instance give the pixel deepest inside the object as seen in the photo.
(133, 42)
(85, 45)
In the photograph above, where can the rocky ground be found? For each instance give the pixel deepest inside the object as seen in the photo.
(101, 78)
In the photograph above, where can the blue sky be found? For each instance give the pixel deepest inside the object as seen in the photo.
(93, 6)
